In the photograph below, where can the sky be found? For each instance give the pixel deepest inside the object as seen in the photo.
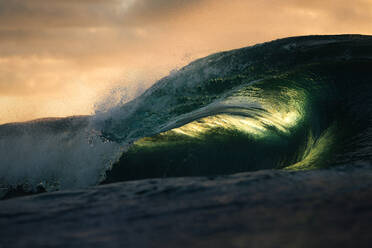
(64, 57)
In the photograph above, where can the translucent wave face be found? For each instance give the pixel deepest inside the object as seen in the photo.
(282, 112)
(257, 127)
(204, 125)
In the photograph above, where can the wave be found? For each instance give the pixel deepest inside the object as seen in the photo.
(51, 154)
(295, 103)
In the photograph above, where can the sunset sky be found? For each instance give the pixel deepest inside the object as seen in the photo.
(62, 57)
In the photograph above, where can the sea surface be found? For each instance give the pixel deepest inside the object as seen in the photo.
(264, 144)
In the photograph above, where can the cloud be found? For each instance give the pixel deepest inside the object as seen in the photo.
(59, 49)
(87, 13)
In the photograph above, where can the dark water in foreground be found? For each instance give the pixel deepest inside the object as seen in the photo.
(319, 208)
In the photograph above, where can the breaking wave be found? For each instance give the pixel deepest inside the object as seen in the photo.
(296, 103)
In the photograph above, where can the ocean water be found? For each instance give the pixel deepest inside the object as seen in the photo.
(293, 104)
